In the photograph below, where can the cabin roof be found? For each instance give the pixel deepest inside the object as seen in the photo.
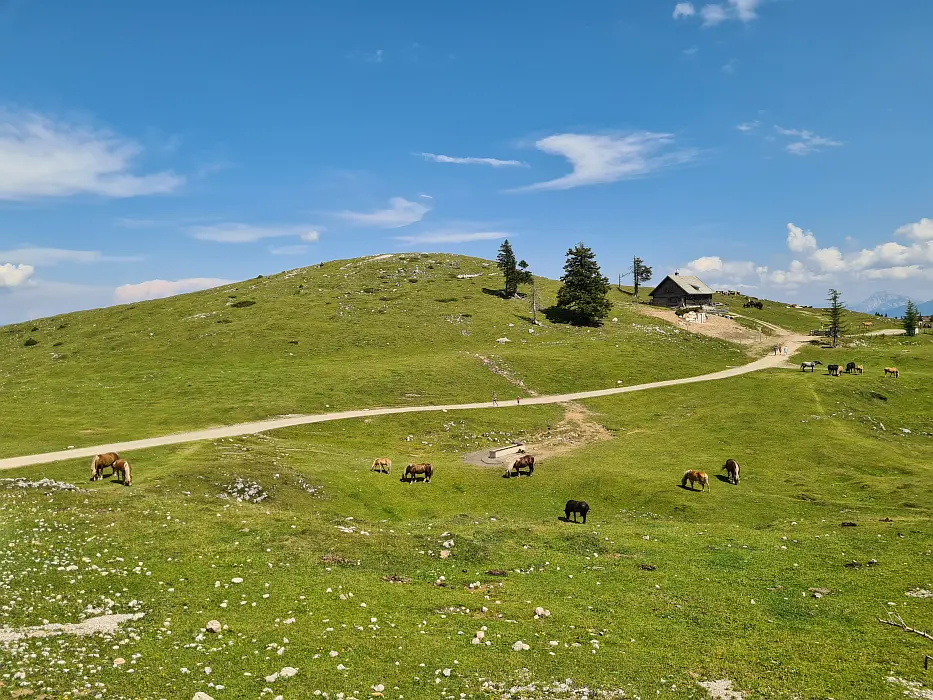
(688, 283)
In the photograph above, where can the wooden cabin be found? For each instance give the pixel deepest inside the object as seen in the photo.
(681, 290)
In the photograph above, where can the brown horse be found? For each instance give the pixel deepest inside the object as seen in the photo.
(859, 369)
(693, 477)
(524, 462)
(732, 469)
(892, 371)
(413, 471)
(382, 465)
(101, 462)
(122, 467)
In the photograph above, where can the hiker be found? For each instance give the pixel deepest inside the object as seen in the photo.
(495, 401)
(518, 400)
(785, 350)
(775, 349)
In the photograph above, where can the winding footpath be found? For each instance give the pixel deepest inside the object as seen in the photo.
(792, 342)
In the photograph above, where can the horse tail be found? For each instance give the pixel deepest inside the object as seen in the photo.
(683, 482)
(127, 474)
(94, 467)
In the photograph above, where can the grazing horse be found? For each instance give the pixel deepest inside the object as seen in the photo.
(413, 471)
(833, 370)
(101, 462)
(732, 469)
(382, 464)
(574, 508)
(804, 366)
(859, 369)
(122, 467)
(850, 367)
(693, 477)
(892, 371)
(524, 462)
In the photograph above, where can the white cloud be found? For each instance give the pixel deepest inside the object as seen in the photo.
(52, 256)
(14, 275)
(746, 127)
(157, 289)
(740, 10)
(806, 141)
(717, 268)
(453, 237)
(684, 9)
(795, 275)
(494, 162)
(920, 231)
(400, 213)
(40, 157)
(728, 68)
(692, 51)
(602, 158)
(246, 233)
(290, 250)
(798, 241)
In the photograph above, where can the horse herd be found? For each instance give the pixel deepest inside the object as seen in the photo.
(526, 464)
(117, 466)
(851, 368)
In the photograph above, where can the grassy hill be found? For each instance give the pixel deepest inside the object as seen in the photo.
(383, 331)
(339, 572)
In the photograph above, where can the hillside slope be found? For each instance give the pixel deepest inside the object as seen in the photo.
(381, 331)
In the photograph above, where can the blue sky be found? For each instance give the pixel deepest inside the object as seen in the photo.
(779, 146)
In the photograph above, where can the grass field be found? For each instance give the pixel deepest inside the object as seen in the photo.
(796, 319)
(398, 330)
(661, 590)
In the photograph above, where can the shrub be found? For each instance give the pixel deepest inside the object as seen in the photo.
(30, 342)
(242, 304)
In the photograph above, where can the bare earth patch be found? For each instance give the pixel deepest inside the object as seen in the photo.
(722, 690)
(105, 624)
(715, 327)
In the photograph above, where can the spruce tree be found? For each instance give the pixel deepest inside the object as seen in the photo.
(836, 313)
(641, 273)
(509, 268)
(584, 290)
(912, 318)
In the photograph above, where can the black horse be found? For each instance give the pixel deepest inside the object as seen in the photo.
(833, 370)
(850, 367)
(576, 507)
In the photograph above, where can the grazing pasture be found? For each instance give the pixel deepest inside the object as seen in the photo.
(359, 584)
(398, 330)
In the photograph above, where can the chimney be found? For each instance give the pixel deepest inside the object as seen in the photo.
(676, 273)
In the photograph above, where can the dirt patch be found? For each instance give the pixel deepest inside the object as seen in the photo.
(715, 327)
(105, 624)
(722, 690)
(576, 429)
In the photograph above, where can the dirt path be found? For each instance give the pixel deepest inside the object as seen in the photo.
(791, 341)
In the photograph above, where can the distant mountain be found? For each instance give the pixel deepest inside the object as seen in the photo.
(926, 309)
(881, 302)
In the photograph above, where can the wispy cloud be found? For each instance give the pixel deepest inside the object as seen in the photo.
(746, 127)
(728, 68)
(684, 9)
(14, 275)
(400, 212)
(602, 158)
(53, 256)
(290, 250)
(41, 157)
(494, 162)
(692, 51)
(805, 142)
(717, 13)
(158, 289)
(453, 237)
(125, 222)
(248, 233)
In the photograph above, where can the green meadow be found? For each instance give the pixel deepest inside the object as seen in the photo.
(367, 586)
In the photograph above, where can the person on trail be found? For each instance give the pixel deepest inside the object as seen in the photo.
(785, 350)
(495, 401)
(775, 349)
(518, 400)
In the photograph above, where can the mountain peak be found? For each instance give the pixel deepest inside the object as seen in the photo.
(879, 302)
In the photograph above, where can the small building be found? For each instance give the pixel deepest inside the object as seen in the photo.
(681, 290)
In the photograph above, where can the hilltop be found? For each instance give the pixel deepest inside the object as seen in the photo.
(388, 330)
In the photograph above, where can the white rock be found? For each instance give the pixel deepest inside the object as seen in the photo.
(213, 626)
(341, 667)
(446, 673)
(520, 646)
(480, 634)
(236, 579)
(201, 696)
(503, 340)
(554, 643)
(288, 672)
(334, 654)
(379, 687)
